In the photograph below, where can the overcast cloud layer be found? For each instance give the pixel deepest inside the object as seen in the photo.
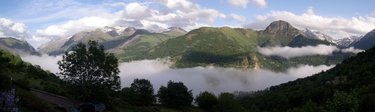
(213, 79)
(291, 52)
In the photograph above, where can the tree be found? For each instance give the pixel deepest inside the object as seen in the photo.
(228, 103)
(90, 72)
(140, 93)
(206, 101)
(176, 94)
(343, 102)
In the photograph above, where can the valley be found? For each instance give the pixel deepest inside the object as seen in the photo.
(187, 56)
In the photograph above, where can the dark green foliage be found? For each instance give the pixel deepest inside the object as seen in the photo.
(140, 93)
(5, 82)
(14, 73)
(343, 102)
(207, 101)
(91, 73)
(23, 83)
(228, 103)
(176, 94)
(353, 78)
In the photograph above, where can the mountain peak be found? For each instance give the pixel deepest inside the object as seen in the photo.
(279, 26)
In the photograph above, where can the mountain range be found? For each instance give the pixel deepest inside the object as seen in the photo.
(223, 46)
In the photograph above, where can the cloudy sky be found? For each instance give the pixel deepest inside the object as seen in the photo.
(39, 21)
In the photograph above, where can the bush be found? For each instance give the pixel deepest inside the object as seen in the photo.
(206, 101)
(176, 94)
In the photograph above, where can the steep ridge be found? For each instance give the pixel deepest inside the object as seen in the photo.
(366, 42)
(354, 78)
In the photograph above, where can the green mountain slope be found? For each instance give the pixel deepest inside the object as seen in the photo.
(348, 87)
(235, 47)
(139, 45)
(23, 76)
(17, 46)
(208, 46)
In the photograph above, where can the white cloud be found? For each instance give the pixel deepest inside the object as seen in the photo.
(290, 52)
(310, 11)
(73, 26)
(9, 28)
(178, 13)
(136, 11)
(351, 50)
(239, 3)
(117, 4)
(237, 17)
(191, 11)
(183, 5)
(260, 3)
(243, 3)
(198, 79)
(336, 27)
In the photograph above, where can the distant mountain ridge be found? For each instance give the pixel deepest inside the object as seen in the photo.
(15, 46)
(113, 38)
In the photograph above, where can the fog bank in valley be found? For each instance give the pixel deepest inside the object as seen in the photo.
(291, 52)
(212, 79)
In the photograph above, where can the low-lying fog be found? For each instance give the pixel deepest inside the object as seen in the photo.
(212, 79)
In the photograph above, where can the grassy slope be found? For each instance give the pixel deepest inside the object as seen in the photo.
(137, 48)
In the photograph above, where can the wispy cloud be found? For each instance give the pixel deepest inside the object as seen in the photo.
(244, 3)
(351, 50)
(290, 52)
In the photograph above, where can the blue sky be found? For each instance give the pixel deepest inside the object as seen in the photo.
(45, 20)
